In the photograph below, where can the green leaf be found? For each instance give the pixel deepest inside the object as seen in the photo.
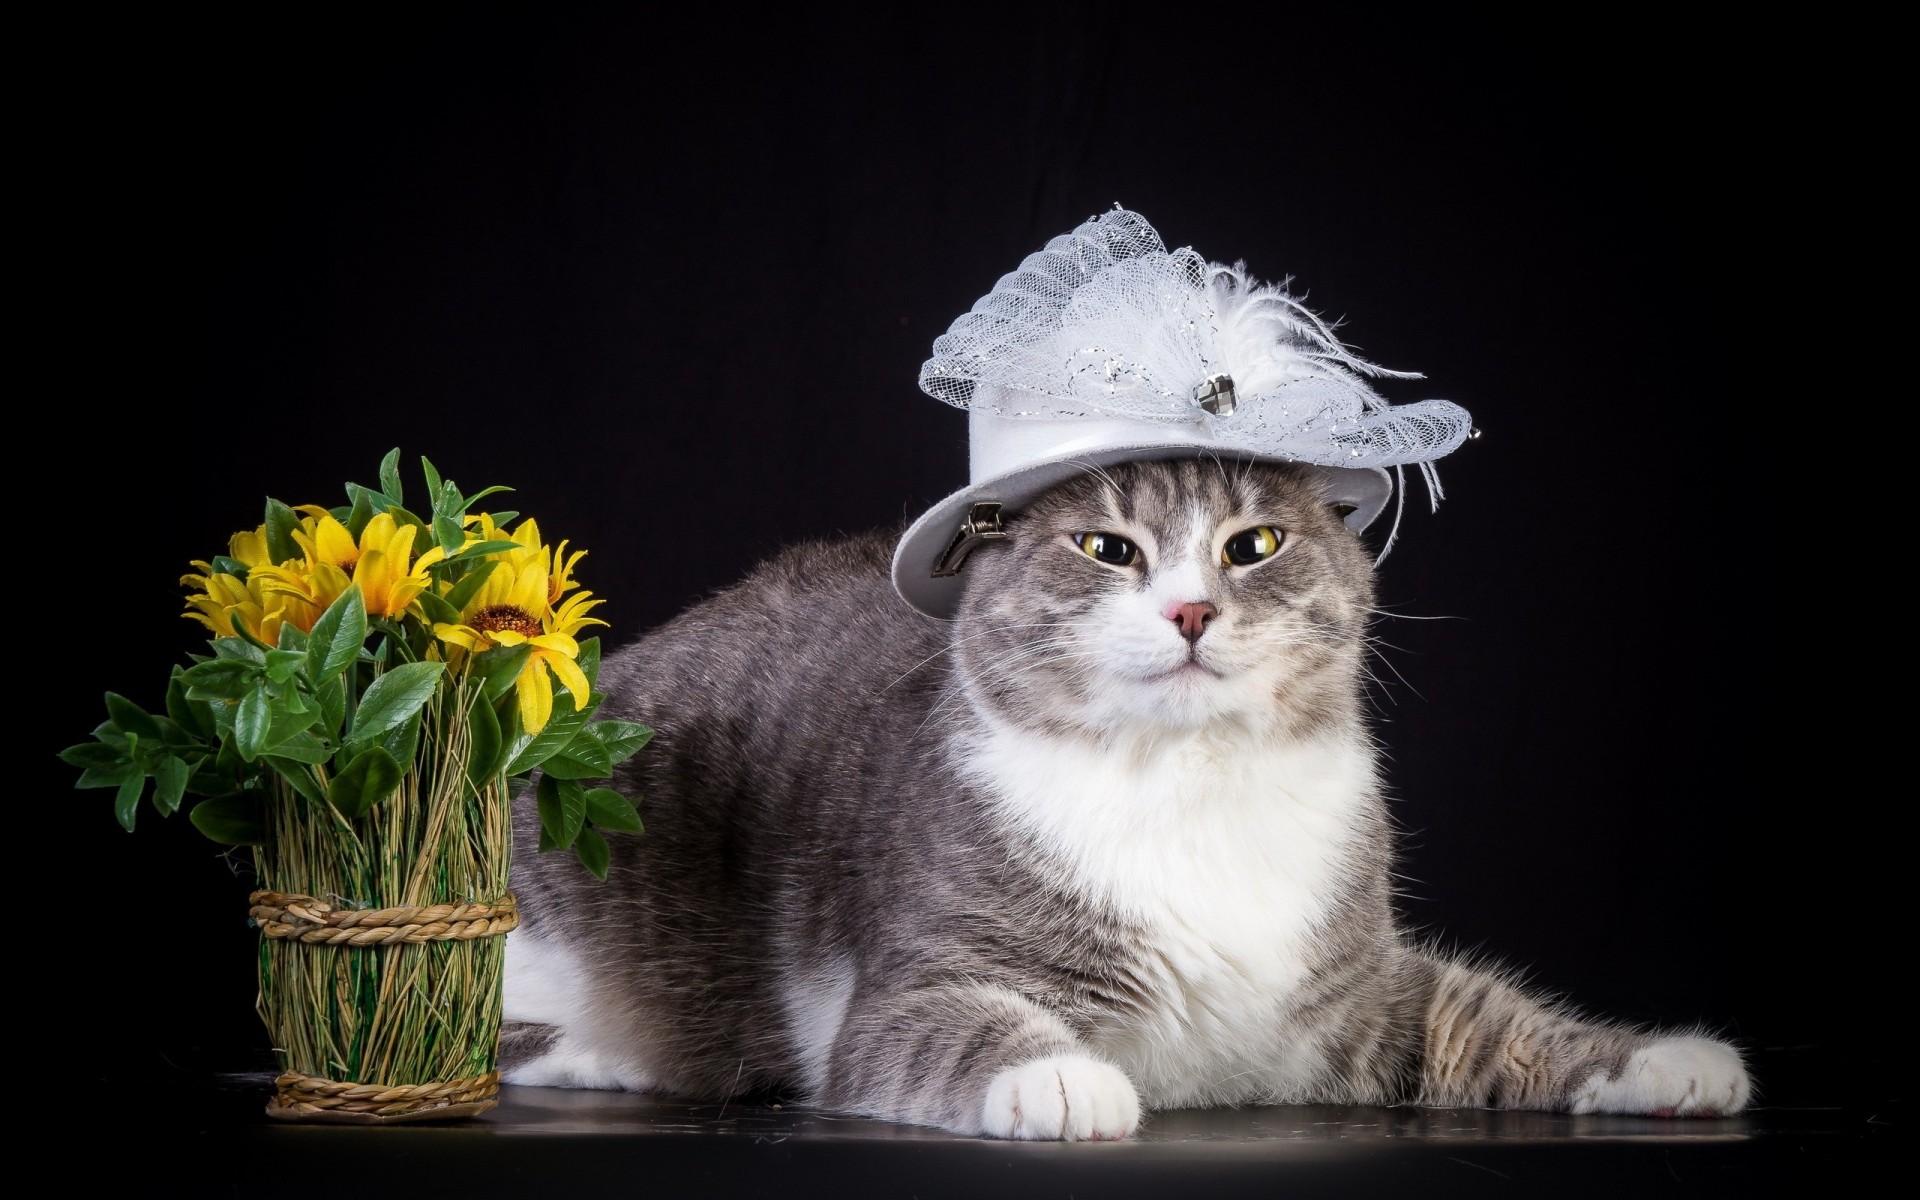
(403, 517)
(332, 697)
(186, 712)
(403, 740)
(377, 501)
(395, 697)
(222, 565)
(281, 664)
(565, 722)
(291, 638)
(486, 746)
(208, 779)
(218, 696)
(360, 513)
(433, 476)
(390, 474)
(93, 754)
(367, 780)
(610, 810)
(129, 717)
(246, 648)
(501, 519)
(232, 820)
(500, 667)
(483, 493)
(287, 722)
(227, 760)
(470, 583)
(482, 549)
(448, 532)
(169, 784)
(297, 776)
(108, 776)
(589, 659)
(438, 609)
(281, 522)
(623, 739)
(338, 635)
(221, 671)
(563, 811)
(127, 801)
(592, 851)
(583, 757)
(299, 747)
(251, 723)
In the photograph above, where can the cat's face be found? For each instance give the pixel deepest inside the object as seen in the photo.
(1169, 596)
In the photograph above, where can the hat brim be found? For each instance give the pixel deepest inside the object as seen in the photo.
(920, 549)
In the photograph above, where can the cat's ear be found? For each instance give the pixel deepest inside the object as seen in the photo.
(1342, 510)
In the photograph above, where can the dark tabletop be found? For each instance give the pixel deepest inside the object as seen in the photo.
(215, 1140)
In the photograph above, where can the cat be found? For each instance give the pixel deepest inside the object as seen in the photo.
(1114, 840)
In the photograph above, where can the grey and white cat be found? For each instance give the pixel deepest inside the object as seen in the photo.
(1114, 840)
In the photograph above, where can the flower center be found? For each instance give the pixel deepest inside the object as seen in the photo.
(507, 616)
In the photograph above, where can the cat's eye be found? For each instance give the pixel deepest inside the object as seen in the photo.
(1109, 548)
(1249, 546)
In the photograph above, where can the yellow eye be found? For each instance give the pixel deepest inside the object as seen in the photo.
(1249, 546)
(1109, 548)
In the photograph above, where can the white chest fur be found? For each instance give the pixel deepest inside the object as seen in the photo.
(1223, 850)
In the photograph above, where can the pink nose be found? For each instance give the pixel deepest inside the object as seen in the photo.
(1192, 618)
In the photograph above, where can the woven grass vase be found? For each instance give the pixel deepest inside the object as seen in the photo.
(382, 942)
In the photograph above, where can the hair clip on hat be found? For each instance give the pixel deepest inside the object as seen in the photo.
(1105, 347)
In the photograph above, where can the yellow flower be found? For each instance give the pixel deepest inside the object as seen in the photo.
(381, 563)
(258, 602)
(514, 607)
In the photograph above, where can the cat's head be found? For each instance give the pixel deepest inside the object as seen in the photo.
(1169, 595)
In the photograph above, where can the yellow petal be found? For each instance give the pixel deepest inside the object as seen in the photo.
(508, 637)
(372, 576)
(327, 584)
(459, 635)
(529, 592)
(332, 543)
(534, 695)
(249, 547)
(570, 674)
(559, 643)
(378, 532)
(572, 615)
(404, 593)
(400, 546)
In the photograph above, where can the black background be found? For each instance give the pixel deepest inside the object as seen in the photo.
(673, 283)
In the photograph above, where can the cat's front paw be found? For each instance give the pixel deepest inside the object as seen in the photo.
(1068, 1098)
(1672, 1077)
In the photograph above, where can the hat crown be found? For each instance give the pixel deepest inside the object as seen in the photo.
(1104, 322)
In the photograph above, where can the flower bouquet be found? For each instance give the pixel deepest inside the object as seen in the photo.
(379, 687)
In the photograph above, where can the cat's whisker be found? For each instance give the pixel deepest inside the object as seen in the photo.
(1382, 611)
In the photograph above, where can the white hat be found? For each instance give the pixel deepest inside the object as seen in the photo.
(1104, 347)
